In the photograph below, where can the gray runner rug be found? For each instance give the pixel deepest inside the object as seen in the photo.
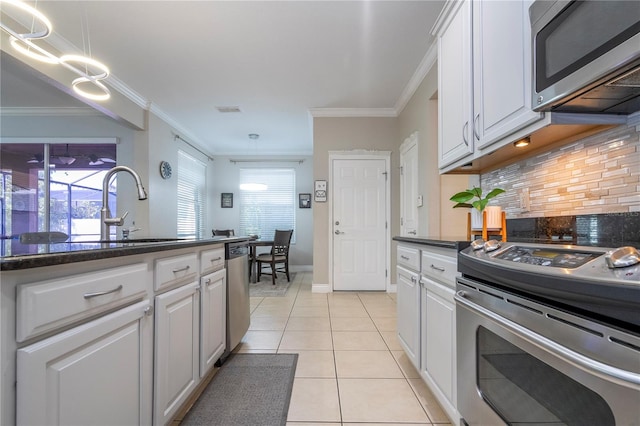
(249, 389)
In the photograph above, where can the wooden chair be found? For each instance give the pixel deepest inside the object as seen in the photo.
(279, 255)
(223, 232)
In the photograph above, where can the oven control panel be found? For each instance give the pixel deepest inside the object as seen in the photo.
(546, 256)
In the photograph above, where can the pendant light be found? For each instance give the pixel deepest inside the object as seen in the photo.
(89, 77)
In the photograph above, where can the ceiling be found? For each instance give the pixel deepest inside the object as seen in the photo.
(275, 60)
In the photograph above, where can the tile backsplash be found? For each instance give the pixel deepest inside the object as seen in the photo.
(596, 175)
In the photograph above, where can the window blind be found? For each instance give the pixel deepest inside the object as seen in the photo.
(191, 196)
(262, 211)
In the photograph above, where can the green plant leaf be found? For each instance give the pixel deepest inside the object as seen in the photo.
(462, 197)
(466, 205)
(477, 192)
(493, 193)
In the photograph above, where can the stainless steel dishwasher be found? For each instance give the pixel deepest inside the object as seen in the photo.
(238, 313)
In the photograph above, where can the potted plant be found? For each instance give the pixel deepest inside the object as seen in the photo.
(478, 205)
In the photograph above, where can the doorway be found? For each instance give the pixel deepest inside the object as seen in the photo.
(359, 212)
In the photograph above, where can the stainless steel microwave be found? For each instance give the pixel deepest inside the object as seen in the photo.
(586, 56)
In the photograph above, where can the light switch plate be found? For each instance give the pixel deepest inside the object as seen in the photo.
(419, 200)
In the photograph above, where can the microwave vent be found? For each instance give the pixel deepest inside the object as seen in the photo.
(630, 79)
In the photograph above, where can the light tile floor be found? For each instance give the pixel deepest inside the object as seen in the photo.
(351, 369)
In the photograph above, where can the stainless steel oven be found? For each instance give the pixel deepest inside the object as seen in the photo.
(547, 335)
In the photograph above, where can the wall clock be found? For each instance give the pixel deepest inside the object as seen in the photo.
(165, 169)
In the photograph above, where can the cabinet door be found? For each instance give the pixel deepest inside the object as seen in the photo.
(439, 355)
(501, 69)
(177, 349)
(213, 318)
(455, 140)
(408, 302)
(98, 373)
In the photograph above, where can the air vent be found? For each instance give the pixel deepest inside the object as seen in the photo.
(630, 79)
(228, 109)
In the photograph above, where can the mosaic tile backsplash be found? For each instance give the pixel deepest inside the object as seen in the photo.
(585, 193)
(598, 174)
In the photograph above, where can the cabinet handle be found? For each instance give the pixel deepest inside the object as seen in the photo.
(475, 126)
(464, 133)
(148, 311)
(413, 279)
(102, 293)
(404, 257)
(412, 232)
(216, 259)
(437, 268)
(186, 268)
(208, 281)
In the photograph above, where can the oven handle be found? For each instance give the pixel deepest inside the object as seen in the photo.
(593, 366)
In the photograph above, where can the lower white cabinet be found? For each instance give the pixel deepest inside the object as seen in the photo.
(408, 303)
(98, 373)
(213, 319)
(426, 318)
(177, 349)
(438, 337)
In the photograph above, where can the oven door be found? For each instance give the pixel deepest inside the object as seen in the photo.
(508, 374)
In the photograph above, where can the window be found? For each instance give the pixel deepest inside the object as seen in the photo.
(53, 187)
(191, 196)
(267, 201)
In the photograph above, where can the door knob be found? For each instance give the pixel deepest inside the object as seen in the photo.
(338, 232)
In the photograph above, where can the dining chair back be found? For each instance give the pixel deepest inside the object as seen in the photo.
(223, 232)
(279, 255)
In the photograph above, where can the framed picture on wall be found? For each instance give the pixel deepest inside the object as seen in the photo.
(304, 201)
(226, 200)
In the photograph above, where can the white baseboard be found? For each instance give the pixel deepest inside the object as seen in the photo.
(320, 288)
(393, 288)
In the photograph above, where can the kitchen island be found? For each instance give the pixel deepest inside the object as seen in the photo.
(123, 331)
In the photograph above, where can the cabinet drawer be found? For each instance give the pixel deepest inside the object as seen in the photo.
(441, 268)
(409, 257)
(211, 260)
(175, 270)
(48, 305)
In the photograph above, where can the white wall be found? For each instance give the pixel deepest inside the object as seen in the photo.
(225, 178)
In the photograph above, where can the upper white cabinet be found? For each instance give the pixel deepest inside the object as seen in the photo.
(455, 140)
(501, 70)
(484, 77)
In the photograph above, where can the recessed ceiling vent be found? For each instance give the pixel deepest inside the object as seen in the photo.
(228, 109)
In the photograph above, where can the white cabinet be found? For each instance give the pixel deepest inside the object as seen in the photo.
(438, 335)
(98, 373)
(484, 77)
(455, 136)
(176, 371)
(213, 301)
(501, 70)
(426, 317)
(408, 303)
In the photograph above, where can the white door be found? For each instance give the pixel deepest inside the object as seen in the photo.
(359, 216)
(409, 186)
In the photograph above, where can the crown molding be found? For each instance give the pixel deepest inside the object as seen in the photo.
(49, 112)
(352, 112)
(421, 72)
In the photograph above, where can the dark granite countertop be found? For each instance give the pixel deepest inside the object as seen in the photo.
(452, 242)
(70, 252)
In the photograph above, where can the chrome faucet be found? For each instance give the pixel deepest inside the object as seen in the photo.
(106, 221)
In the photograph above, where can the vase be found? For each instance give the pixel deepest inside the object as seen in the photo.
(494, 218)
